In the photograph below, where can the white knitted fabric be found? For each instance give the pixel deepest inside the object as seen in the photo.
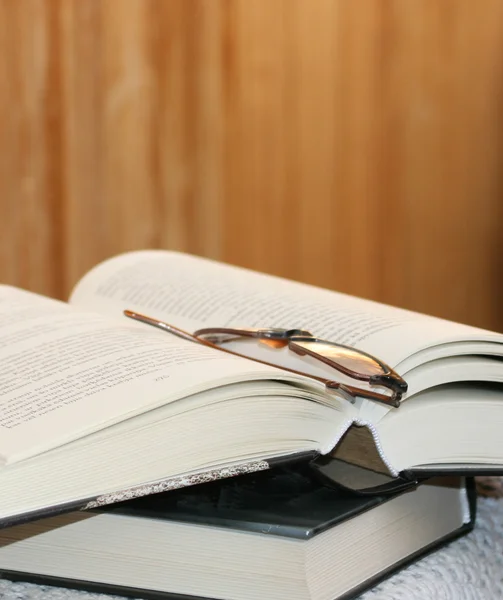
(470, 568)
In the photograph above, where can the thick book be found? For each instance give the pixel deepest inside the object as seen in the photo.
(277, 534)
(97, 408)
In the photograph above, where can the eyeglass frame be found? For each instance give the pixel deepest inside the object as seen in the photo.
(389, 379)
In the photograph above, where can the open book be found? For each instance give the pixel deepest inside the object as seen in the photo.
(97, 408)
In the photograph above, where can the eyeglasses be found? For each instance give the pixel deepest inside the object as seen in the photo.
(353, 363)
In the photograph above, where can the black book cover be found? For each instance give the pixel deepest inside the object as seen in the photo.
(284, 501)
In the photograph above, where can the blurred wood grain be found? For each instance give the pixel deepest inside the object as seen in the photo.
(355, 148)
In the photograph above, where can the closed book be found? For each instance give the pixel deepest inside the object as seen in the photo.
(280, 534)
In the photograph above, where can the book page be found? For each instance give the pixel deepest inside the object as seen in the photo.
(193, 292)
(67, 373)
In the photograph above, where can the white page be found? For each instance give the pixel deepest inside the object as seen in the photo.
(66, 373)
(192, 292)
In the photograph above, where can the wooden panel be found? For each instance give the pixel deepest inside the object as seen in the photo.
(355, 149)
(30, 149)
(87, 222)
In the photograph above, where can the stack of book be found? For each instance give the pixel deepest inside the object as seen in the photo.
(144, 463)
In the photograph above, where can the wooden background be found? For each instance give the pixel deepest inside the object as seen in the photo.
(353, 144)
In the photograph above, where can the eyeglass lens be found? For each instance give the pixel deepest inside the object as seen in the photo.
(346, 357)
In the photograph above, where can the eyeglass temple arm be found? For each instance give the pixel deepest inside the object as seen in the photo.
(218, 335)
(184, 335)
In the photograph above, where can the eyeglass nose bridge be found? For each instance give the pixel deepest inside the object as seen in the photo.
(275, 333)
